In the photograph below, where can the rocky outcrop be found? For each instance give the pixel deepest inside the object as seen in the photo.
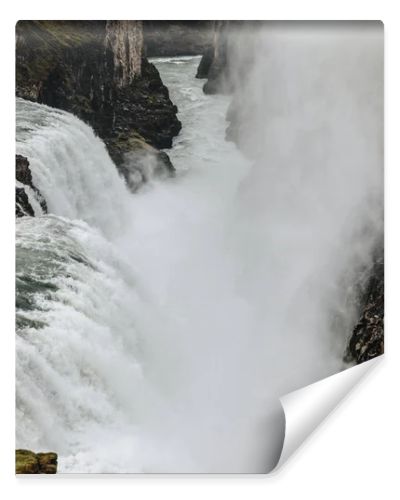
(125, 41)
(177, 38)
(205, 63)
(27, 462)
(23, 176)
(214, 64)
(97, 71)
(22, 205)
(22, 171)
(367, 339)
(143, 162)
(233, 42)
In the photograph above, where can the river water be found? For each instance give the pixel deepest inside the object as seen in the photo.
(138, 346)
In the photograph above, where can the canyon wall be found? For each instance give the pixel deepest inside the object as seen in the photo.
(367, 338)
(214, 64)
(97, 71)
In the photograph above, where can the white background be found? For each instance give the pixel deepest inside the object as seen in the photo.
(355, 453)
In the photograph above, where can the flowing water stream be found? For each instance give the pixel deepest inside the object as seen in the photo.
(139, 348)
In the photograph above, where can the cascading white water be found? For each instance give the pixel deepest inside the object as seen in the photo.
(56, 143)
(114, 300)
(141, 346)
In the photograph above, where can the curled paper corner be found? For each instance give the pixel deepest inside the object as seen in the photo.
(305, 409)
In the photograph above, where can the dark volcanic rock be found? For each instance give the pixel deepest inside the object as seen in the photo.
(27, 462)
(216, 63)
(22, 171)
(141, 162)
(149, 112)
(177, 38)
(205, 63)
(230, 57)
(96, 70)
(367, 340)
(22, 205)
(23, 175)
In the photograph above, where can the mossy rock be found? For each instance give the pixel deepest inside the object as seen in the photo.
(137, 160)
(28, 462)
(47, 463)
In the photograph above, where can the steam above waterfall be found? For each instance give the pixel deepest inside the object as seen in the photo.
(156, 331)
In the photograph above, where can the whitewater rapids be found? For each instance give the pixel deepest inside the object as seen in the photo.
(138, 346)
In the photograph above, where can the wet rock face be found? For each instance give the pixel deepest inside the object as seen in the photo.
(125, 40)
(177, 38)
(205, 64)
(367, 340)
(215, 64)
(22, 171)
(27, 462)
(144, 108)
(141, 162)
(23, 176)
(96, 70)
(22, 205)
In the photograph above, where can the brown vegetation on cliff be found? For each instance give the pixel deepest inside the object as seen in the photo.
(28, 462)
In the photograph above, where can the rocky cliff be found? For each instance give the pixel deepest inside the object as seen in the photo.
(177, 38)
(214, 64)
(367, 339)
(232, 40)
(97, 70)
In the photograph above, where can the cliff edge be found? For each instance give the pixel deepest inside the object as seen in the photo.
(97, 71)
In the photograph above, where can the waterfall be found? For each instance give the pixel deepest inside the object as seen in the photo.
(119, 329)
(72, 167)
(144, 343)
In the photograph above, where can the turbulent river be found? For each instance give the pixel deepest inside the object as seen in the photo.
(139, 345)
